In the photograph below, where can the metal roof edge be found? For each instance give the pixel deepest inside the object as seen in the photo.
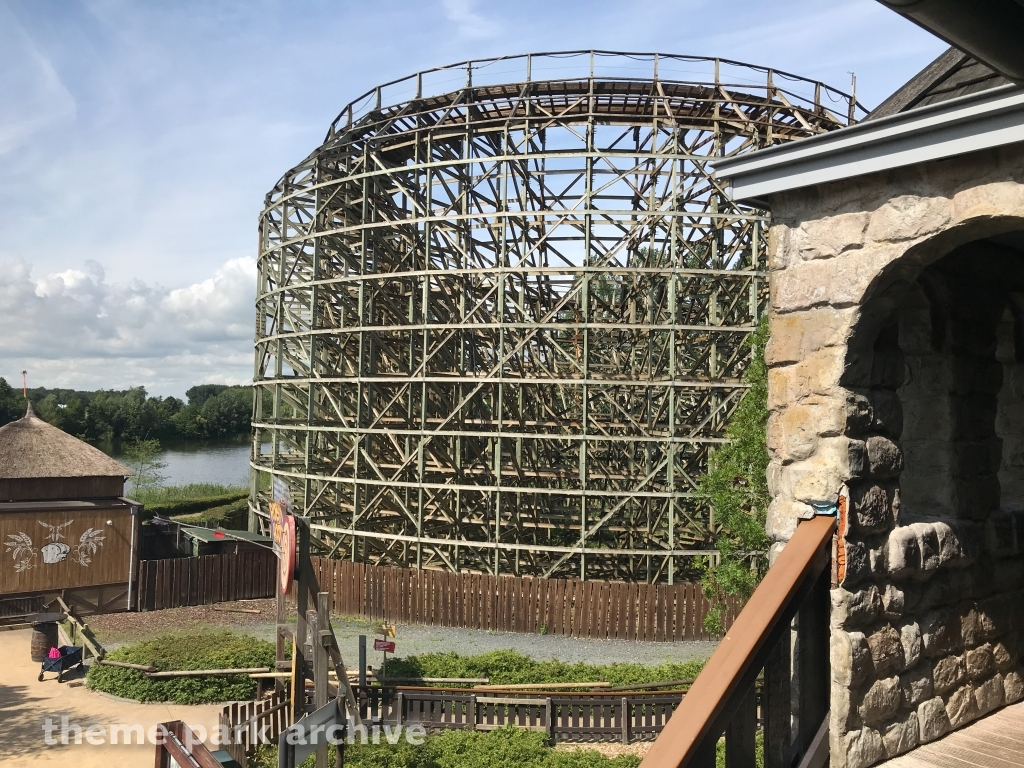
(976, 121)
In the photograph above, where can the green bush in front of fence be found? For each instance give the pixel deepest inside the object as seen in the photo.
(502, 748)
(508, 666)
(218, 649)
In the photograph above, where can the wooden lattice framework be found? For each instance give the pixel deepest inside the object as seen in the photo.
(500, 322)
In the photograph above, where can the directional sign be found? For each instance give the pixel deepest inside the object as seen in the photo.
(388, 630)
(388, 646)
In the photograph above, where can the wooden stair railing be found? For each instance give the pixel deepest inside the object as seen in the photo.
(722, 699)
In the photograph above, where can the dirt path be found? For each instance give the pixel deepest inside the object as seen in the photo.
(25, 704)
(118, 628)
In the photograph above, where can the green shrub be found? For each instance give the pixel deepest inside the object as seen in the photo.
(502, 748)
(219, 649)
(508, 666)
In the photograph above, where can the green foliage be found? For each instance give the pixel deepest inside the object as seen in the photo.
(12, 404)
(126, 416)
(219, 649)
(502, 748)
(204, 498)
(758, 751)
(142, 457)
(737, 489)
(508, 666)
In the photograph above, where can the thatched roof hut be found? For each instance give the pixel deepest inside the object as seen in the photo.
(39, 461)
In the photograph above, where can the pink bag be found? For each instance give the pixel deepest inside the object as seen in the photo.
(54, 653)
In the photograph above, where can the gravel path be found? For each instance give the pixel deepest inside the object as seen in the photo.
(118, 629)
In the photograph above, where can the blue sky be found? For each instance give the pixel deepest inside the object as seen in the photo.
(137, 140)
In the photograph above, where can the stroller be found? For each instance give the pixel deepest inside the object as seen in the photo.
(70, 656)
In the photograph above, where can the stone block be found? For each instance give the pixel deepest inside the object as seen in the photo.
(1000, 539)
(910, 638)
(1002, 657)
(928, 547)
(887, 412)
(908, 217)
(901, 735)
(971, 629)
(801, 286)
(888, 368)
(1008, 574)
(940, 634)
(995, 615)
(830, 236)
(950, 552)
(886, 651)
(961, 706)
(863, 748)
(885, 457)
(989, 695)
(948, 673)
(859, 565)
(881, 701)
(779, 238)
(842, 717)
(878, 563)
(871, 507)
(979, 662)
(1013, 687)
(796, 335)
(852, 610)
(916, 685)
(904, 554)
(994, 199)
(892, 602)
(794, 430)
(971, 536)
(850, 658)
(783, 517)
(977, 376)
(977, 457)
(932, 719)
(860, 417)
(977, 496)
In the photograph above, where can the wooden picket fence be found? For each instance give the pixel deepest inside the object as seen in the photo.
(564, 607)
(179, 581)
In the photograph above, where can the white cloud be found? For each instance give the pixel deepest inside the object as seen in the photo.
(470, 23)
(74, 328)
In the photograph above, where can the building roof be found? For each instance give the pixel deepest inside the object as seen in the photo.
(31, 448)
(971, 123)
(951, 75)
(223, 534)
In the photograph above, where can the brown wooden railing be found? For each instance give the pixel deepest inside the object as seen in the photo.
(178, 746)
(722, 701)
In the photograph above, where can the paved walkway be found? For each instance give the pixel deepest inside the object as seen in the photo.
(996, 741)
(25, 703)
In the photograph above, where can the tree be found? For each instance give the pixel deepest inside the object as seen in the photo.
(143, 459)
(736, 487)
(12, 404)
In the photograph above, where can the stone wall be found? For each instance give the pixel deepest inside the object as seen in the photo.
(890, 376)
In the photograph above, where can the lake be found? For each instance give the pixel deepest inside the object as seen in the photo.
(221, 462)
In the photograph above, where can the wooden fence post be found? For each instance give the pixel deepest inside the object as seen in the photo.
(625, 720)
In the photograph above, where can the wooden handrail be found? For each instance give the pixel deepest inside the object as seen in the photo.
(744, 649)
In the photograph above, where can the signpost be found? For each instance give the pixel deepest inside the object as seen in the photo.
(388, 646)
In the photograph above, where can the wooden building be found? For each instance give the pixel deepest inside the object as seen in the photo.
(65, 525)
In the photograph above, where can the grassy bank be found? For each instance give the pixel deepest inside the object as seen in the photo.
(197, 503)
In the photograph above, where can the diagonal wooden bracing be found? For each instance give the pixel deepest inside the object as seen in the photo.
(499, 328)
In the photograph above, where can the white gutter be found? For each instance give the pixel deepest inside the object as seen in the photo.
(970, 123)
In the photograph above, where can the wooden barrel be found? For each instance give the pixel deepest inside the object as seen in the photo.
(44, 637)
